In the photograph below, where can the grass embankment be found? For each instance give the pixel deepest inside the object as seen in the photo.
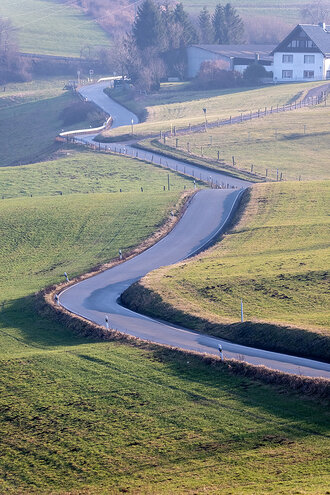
(51, 28)
(30, 119)
(179, 105)
(296, 143)
(77, 415)
(275, 259)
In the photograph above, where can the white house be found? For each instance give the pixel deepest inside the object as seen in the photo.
(303, 55)
(236, 57)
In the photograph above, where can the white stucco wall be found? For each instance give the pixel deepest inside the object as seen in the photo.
(196, 56)
(298, 66)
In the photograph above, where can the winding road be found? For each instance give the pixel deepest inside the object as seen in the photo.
(205, 217)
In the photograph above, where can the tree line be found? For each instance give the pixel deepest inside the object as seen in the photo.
(155, 46)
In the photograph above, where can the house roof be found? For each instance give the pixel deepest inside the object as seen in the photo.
(318, 33)
(240, 51)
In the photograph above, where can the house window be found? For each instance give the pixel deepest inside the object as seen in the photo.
(309, 59)
(308, 74)
(287, 59)
(287, 74)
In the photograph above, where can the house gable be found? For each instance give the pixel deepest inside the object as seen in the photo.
(296, 42)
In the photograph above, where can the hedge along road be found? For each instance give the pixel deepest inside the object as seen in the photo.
(209, 210)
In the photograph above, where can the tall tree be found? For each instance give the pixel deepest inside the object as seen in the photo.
(189, 33)
(205, 26)
(234, 25)
(219, 27)
(147, 29)
(227, 24)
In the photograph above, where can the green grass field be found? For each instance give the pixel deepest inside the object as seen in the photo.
(81, 416)
(274, 259)
(86, 172)
(30, 119)
(179, 105)
(295, 143)
(52, 28)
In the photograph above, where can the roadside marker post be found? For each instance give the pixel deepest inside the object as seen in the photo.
(106, 322)
(56, 299)
(120, 254)
(220, 352)
(66, 277)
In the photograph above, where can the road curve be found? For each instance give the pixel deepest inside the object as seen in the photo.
(98, 296)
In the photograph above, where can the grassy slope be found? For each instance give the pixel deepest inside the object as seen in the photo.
(30, 119)
(86, 172)
(274, 259)
(51, 28)
(296, 143)
(104, 417)
(179, 105)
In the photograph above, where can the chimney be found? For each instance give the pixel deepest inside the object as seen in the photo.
(322, 25)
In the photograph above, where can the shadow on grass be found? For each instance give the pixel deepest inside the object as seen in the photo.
(21, 322)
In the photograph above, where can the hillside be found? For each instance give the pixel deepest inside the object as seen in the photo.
(274, 258)
(51, 28)
(103, 417)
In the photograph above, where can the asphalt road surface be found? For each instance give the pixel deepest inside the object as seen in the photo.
(97, 297)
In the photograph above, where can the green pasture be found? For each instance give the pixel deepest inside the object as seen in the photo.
(275, 259)
(30, 119)
(92, 417)
(178, 105)
(87, 172)
(49, 27)
(295, 143)
(82, 416)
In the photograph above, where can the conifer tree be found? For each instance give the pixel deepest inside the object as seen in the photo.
(218, 23)
(147, 29)
(234, 25)
(189, 34)
(205, 26)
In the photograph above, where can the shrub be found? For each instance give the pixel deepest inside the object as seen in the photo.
(216, 75)
(254, 73)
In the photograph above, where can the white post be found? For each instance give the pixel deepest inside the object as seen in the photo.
(220, 352)
(132, 122)
(120, 254)
(56, 299)
(66, 277)
(242, 317)
(106, 322)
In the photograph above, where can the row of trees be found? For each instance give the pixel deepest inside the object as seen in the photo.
(156, 44)
(12, 66)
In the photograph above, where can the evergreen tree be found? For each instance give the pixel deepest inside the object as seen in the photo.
(227, 24)
(205, 26)
(181, 18)
(147, 29)
(234, 25)
(219, 27)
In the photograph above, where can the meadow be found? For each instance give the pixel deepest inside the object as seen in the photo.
(79, 171)
(78, 415)
(30, 119)
(288, 11)
(48, 27)
(274, 259)
(294, 143)
(179, 105)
